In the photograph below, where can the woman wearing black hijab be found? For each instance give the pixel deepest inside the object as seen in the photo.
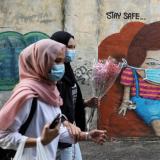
(73, 103)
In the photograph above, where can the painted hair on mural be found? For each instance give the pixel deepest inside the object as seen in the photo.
(148, 38)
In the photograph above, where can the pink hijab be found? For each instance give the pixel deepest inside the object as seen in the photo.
(35, 61)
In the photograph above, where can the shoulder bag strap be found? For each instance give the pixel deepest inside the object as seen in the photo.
(24, 127)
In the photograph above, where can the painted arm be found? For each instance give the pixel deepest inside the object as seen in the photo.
(126, 102)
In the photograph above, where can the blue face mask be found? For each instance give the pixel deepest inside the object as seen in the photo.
(70, 55)
(57, 72)
(152, 75)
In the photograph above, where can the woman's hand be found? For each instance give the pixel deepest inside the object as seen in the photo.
(73, 129)
(92, 102)
(49, 134)
(97, 136)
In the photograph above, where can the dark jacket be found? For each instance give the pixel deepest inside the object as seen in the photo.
(73, 113)
(77, 114)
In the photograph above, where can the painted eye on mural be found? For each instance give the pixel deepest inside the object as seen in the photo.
(152, 63)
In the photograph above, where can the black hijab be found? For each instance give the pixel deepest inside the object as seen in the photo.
(64, 37)
(73, 114)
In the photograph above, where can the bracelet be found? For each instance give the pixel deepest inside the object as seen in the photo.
(38, 140)
(88, 136)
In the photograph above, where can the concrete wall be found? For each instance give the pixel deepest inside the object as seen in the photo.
(29, 15)
(53, 15)
(86, 19)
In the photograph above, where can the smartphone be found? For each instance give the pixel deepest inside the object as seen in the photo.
(55, 121)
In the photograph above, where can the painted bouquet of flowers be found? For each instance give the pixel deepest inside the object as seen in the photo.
(104, 74)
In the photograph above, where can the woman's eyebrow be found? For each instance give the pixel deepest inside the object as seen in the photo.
(152, 59)
(59, 59)
(70, 45)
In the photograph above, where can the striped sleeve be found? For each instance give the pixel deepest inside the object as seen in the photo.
(127, 77)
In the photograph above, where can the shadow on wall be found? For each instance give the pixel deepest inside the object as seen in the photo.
(11, 44)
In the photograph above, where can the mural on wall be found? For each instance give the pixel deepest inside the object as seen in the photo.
(138, 83)
(32, 37)
(11, 44)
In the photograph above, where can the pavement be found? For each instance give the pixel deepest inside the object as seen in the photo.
(145, 148)
(121, 150)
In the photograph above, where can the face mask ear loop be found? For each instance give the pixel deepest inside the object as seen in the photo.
(125, 64)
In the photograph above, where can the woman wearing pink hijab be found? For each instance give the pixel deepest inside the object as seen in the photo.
(41, 65)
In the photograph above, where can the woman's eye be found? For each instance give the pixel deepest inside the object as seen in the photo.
(71, 47)
(59, 60)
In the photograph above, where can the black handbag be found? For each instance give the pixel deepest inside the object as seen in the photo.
(8, 154)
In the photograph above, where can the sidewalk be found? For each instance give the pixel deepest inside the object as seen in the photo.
(127, 149)
(142, 150)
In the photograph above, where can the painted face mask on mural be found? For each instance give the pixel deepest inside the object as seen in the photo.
(152, 75)
(57, 72)
(70, 55)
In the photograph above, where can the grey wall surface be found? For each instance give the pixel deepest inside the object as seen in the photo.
(86, 20)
